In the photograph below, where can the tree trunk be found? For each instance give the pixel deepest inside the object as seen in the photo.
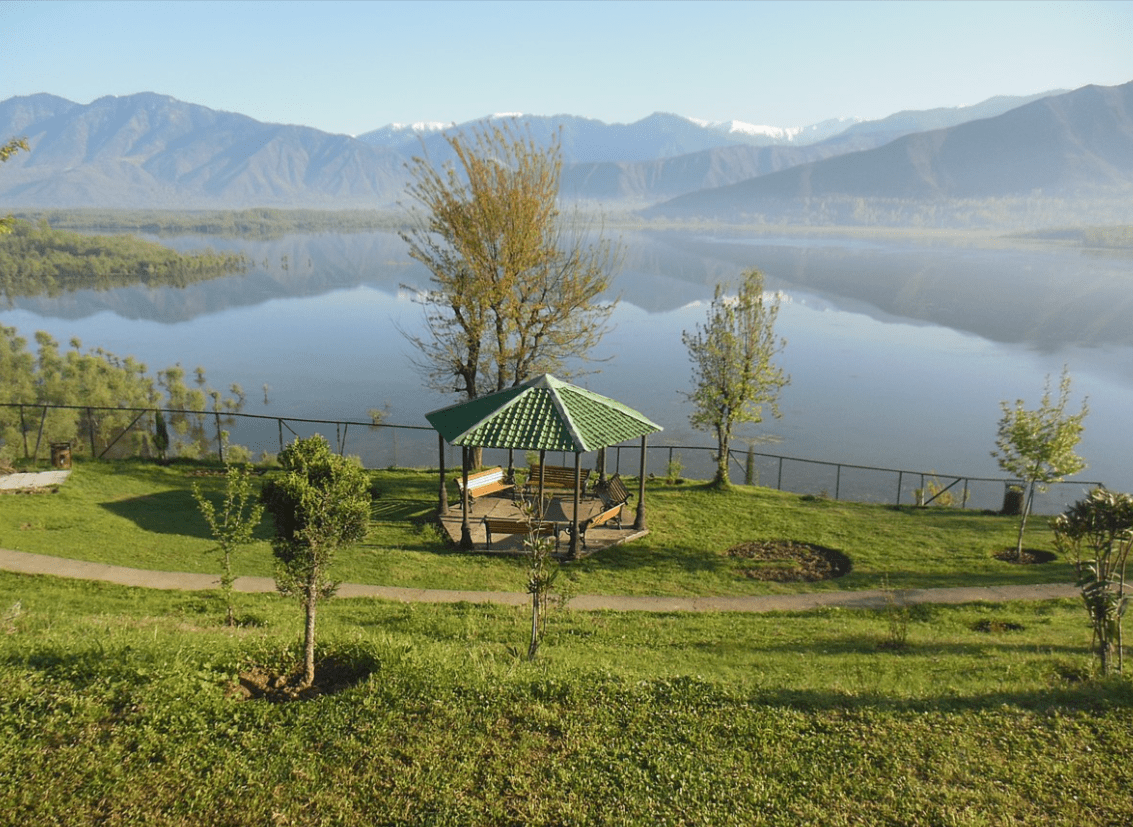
(311, 600)
(722, 479)
(1023, 520)
(534, 646)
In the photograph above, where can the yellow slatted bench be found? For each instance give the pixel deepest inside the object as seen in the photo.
(482, 483)
(501, 525)
(555, 478)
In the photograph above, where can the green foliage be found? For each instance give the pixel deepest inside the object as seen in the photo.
(260, 222)
(7, 151)
(542, 571)
(1098, 530)
(733, 374)
(1037, 446)
(101, 396)
(233, 524)
(37, 260)
(321, 502)
(160, 434)
(515, 287)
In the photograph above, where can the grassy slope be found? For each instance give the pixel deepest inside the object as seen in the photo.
(145, 516)
(114, 709)
(115, 703)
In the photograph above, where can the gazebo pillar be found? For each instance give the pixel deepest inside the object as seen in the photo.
(466, 502)
(542, 463)
(442, 494)
(639, 520)
(573, 550)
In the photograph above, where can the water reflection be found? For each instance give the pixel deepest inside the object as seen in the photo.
(899, 352)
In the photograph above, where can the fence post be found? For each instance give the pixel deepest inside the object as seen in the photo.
(90, 429)
(900, 479)
(219, 437)
(39, 436)
(24, 431)
(779, 484)
(837, 480)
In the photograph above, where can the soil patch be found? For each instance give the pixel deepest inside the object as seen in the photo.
(787, 561)
(996, 626)
(1031, 556)
(332, 675)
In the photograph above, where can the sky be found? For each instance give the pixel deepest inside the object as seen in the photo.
(351, 67)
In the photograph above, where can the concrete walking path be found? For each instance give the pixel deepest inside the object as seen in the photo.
(22, 562)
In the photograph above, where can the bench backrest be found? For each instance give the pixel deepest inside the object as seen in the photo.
(556, 476)
(488, 476)
(614, 491)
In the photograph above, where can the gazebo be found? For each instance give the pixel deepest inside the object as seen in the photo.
(542, 414)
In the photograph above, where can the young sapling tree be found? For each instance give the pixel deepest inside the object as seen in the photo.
(233, 524)
(1098, 531)
(321, 503)
(1037, 446)
(733, 373)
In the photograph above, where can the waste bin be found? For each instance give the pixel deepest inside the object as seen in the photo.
(1012, 501)
(61, 455)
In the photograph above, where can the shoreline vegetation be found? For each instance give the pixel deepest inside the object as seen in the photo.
(269, 223)
(37, 259)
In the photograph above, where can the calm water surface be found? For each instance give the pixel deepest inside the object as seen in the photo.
(899, 352)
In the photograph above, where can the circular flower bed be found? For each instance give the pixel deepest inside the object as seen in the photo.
(788, 561)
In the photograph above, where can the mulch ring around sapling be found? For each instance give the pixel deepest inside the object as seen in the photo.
(1031, 556)
(332, 675)
(788, 561)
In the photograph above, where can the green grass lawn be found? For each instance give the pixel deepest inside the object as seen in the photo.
(144, 516)
(117, 706)
(120, 706)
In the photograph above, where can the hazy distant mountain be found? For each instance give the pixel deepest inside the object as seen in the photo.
(152, 151)
(586, 140)
(653, 180)
(1071, 145)
(869, 134)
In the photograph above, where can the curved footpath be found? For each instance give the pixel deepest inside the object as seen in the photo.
(24, 563)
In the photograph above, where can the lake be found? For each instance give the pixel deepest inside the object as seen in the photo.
(899, 351)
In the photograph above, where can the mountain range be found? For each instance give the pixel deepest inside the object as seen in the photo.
(151, 151)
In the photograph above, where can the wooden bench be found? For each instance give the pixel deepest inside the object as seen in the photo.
(482, 483)
(555, 478)
(612, 492)
(614, 495)
(502, 525)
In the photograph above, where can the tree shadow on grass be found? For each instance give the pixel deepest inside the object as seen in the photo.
(173, 512)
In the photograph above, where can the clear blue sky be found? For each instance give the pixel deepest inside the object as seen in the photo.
(355, 66)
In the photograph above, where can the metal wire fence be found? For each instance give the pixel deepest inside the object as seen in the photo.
(225, 435)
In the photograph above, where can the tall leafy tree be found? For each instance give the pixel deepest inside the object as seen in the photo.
(515, 287)
(320, 503)
(1037, 446)
(734, 376)
(7, 150)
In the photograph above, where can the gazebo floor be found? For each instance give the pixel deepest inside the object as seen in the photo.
(504, 507)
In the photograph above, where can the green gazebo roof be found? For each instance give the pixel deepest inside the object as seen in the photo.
(543, 413)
